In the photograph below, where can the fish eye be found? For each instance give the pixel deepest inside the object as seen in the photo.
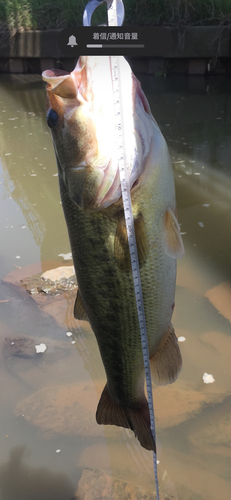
(52, 118)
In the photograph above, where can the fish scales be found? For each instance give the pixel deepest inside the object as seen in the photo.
(80, 114)
(105, 294)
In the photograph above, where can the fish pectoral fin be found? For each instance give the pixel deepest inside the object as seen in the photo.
(121, 247)
(166, 363)
(136, 419)
(79, 311)
(173, 244)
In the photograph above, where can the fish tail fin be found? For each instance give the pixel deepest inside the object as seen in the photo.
(166, 363)
(136, 419)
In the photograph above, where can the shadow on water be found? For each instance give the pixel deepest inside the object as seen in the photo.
(22, 482)
(24, 316)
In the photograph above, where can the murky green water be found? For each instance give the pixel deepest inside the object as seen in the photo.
(48, 433)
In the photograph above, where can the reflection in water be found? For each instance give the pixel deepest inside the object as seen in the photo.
(23, 482)
(193, 423)
(28, 165)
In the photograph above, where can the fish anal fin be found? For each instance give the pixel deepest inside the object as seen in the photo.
(137, 419)
(79, 311)
(173, 244)
(166, 363)
(121, 248)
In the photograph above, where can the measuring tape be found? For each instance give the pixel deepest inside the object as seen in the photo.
(115, 13)
(129, 220)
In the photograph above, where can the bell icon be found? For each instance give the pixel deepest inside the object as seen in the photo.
(72, 41)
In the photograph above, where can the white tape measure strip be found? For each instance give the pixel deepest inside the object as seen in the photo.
(130, 229)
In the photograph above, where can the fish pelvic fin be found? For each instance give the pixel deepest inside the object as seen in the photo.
(173, 244)
(166, 363)
(79, 311)
(136, 419)
(121, 247)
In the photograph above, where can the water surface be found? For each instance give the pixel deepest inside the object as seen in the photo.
(46, 443)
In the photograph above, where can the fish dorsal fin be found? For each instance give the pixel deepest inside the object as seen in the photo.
(79, 311)
(121, 247)
(166, 363)
(173, 244)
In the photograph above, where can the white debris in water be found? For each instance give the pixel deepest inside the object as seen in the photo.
(192, 161)
(12, 343)
(55, 175)
(13, 118)
(40, 348)
(183, 233)
(197, 173)
(200, 224)
(68, 334)
(7, 154)
(181, 339)
(33, 175)
(157, 462)
(18, 257)
(66, 256)
(206, 205)
(73, 341)
(23, 227)
(208, 378)
(57, 451)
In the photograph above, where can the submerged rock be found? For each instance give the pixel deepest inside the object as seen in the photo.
(24, 347)
(95, 484)
(63, 409)
(52, 282)
(220, 297)
(32, 359)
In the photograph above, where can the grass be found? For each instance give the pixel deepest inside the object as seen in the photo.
(19, 15)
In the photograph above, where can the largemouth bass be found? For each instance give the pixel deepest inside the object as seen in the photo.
(81, 117)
